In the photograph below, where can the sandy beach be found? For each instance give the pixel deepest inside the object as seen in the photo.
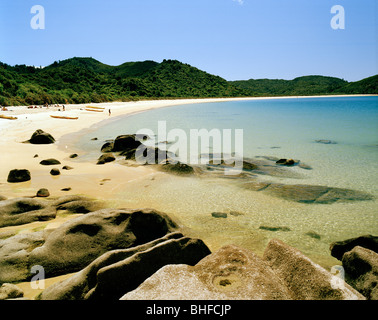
(86, 177)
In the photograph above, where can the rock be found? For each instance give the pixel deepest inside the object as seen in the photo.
(325, 141)
(55, 172)
(249, 166)
(49, 162)
(74, 155)
(149, 155)
(67, 168)
(94, 139)
(19, 175)
(274, 228)
(43, 193)
(14, 252)
(106, 157)
(10, 291)
(126, 142)
(118, 271)
(236, 213)
(178, 168)
(36, 156)
(228, 274)
(41, 137)
(304, 166)
(107, 147)
(66, 199)
(361, 271)
(286, 162)
(313, 194)
(304, 279)
(66, 189)
(219, 214)
(80, 206)
(313, 235)
(338, 248)
(19, 211)
(79, 241)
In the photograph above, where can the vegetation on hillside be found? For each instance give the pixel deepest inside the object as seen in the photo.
(308, 85)
(84, 80)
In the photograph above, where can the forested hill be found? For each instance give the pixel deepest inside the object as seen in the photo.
(84, 80)
(308, 85)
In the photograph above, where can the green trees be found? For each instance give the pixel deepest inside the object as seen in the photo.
(84, 80)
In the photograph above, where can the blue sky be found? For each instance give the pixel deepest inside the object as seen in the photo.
(235, 39)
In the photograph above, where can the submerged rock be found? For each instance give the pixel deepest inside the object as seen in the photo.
(268, 228)
(323, 141)
(308, 193)
(219, 214)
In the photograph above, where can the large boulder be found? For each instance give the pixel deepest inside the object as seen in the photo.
(41, 137)
(19, 175)
(228, 274)
(19, 211)
(10, 291)
(361, 271)
(118, 271)
(79, 241)
(126, 142)
(305, 279)
(338, 248)
(14, 253)
(284, 273)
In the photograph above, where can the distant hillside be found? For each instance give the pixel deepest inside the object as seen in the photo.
(84, 80)
(308, 85)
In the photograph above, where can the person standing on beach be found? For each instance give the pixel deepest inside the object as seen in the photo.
(110, 112)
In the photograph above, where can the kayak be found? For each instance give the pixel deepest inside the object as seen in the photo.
(7, 117)
(64, 117)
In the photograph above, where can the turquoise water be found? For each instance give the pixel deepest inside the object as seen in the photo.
(283, 128)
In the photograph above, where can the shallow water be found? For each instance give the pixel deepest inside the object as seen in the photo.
(283, 128)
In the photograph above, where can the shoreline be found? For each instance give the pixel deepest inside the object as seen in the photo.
(105, 182)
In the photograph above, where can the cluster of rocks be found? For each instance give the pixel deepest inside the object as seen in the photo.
(127, 146)
(38, 137)
(359, 257)
(142, 254)
(283, 273)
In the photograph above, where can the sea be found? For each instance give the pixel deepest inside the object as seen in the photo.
(337, 137)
